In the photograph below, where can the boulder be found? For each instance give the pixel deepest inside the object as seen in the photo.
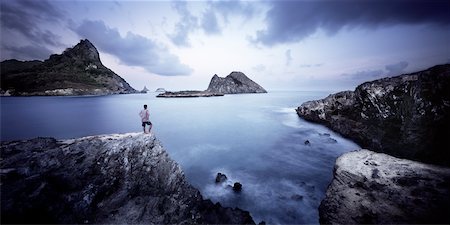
(119, 178)
(375, 188)
(237, 187)
(221, 178)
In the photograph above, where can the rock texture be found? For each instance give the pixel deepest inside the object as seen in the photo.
(125, 179)
(375, 188)
(407, 116)
(77, 71)
(235, 83)
(188, 94)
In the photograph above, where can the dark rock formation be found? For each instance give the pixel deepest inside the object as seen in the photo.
(237, 187)
(235, 83)
(407, 116)
(188, 94)
(375, 188)
(145, 90)
(221, 178)
(307, 142)
(160, 90)
(77, 71)
(126, 179)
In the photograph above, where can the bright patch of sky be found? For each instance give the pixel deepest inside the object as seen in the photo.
(282, 45)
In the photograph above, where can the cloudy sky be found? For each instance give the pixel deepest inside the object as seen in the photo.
(282, 45)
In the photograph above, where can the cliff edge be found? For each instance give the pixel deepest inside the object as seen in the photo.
(120, 178)
(407, 116)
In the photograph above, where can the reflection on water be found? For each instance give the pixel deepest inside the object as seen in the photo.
(255, 139)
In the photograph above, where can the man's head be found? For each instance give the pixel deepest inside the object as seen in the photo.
(145, 106)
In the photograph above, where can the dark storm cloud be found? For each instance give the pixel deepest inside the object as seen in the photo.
(22, 20)
(208, 21)
(390, 70)
(187, 24)
(133, 49)
(292, 21)
(364, 75)
(210, 24)
(397, 68)
(28, 52)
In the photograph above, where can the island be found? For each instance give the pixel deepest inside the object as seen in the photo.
(77, 71)
(403, 176)
(105, 179)
(235, 83)
(188, 94)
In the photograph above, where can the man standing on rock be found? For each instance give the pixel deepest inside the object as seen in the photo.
(145, 119)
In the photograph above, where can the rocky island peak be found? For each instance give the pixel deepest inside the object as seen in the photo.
(77, 71)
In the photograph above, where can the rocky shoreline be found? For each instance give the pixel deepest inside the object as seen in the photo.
(117, 178)
(406, 117)
(188, 94)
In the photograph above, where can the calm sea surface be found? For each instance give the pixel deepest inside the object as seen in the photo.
(255, 139)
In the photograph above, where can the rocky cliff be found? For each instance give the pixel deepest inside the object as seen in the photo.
(375, 188)
(77, 71)
(235, 83)
(127, 179)
(407, 116)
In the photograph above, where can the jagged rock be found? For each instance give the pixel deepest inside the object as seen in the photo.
(145, 90)
(221, 178)
(235, 83)
(375, 188)
(77, 71)
(237, 187)
(107, 179)
(407, 116)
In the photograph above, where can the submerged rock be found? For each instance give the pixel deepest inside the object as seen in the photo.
(235, 83)
(406, 116)
(237, 187)
(307, 142)
(221, 178)
(371, 187)
(126, 178)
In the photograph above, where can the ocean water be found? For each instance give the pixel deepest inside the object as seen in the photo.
(255, 139)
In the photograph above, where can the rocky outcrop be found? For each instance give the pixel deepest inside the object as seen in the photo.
(160, 90)
(407, 116)
(77, 71)
(235, 83)
(375, 188)
(188, 94)
(145, 90)
(127, 179)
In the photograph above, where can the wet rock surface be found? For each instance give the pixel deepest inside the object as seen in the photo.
(126, 178)
(375, 188)
(406, 116)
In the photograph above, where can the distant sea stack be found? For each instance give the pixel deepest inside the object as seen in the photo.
(406, 116)
(235, 83)
(77, 71)
(106, 179)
